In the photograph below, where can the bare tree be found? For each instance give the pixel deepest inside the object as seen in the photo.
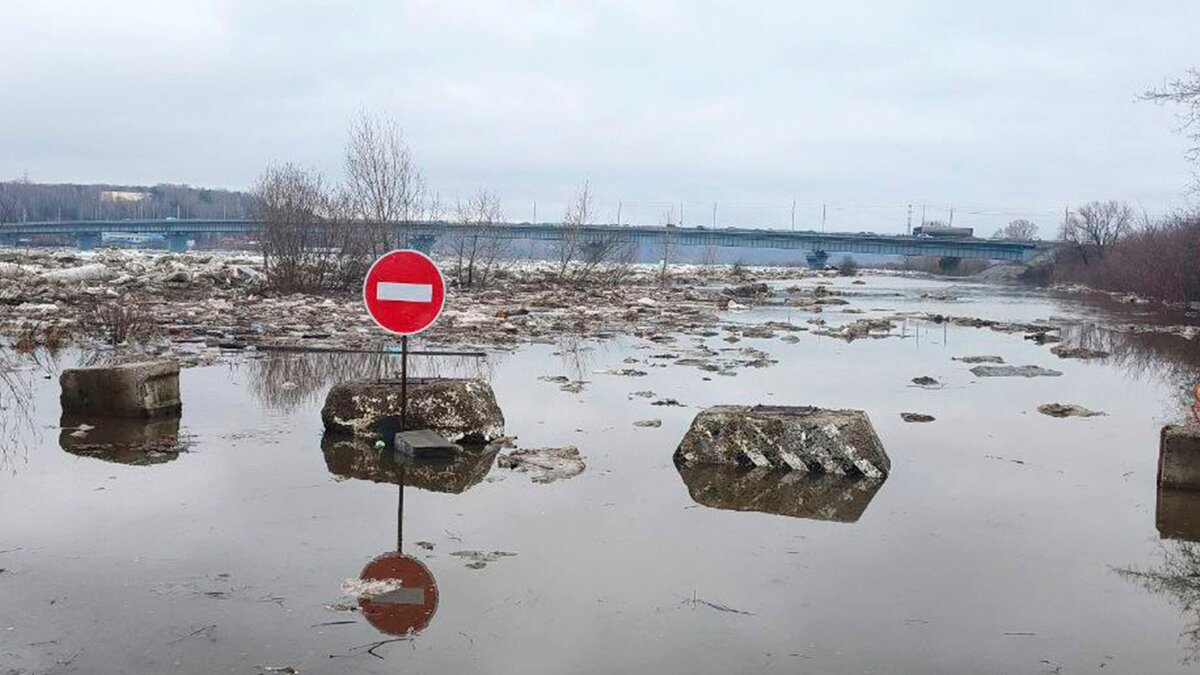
(668, 247)
(384, 188)
(10, 203)
(1184, 91)
(580, 212)
(1018, 230)
(299, 238)
(475, 246)
(595, 255)
(1097, 226)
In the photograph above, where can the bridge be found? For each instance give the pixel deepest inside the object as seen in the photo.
(424, 235)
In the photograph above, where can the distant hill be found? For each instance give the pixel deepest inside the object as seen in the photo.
(22, 200)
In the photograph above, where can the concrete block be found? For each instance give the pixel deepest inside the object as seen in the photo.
(788, 438)
(1179, 456)
(424, 444)
(460, 410)
(143, 389)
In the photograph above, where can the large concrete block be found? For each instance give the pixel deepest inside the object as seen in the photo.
(143, 389)
(1179, 456)
(463, 411)
(790, 438)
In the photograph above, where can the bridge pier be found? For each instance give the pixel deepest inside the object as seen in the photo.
(948, 263)
(87, 241)
(817, 259)
(423, 243)
(177, 243)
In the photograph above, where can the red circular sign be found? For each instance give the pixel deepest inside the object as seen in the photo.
(411, 606)
(404, 292)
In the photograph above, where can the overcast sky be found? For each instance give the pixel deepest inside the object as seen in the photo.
(996, 108)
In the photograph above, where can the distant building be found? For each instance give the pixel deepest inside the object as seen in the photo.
(122, 196)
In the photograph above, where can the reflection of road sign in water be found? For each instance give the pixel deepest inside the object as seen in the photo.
(407, 608)
(404, 292)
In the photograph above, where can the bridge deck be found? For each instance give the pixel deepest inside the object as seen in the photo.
(732, 237)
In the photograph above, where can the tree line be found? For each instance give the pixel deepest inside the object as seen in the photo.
(22, 200)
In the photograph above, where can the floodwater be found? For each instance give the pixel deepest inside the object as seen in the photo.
(1004, 541)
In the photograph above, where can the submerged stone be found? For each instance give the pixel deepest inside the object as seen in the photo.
(461, 410)
(792, 438)
(142, 389)
(349, 457)
(798, 495)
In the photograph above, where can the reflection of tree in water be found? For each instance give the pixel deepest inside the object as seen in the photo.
(286, 381)
(1144, 356)
(1179, 581)
(17, 427)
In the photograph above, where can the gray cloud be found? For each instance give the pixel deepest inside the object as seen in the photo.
(998, 109)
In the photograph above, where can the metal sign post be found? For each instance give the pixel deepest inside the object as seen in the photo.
(404, 293)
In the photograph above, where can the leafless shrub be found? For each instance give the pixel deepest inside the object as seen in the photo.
(306, 238)
(848, 267)
(593, 256)
(1161, 260)
(120, 321)
(476, 247)
(384, 189)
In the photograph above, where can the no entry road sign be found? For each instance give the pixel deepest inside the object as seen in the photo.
(410, 606)
(404, 292)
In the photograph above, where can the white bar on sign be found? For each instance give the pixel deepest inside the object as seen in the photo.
(387, 290)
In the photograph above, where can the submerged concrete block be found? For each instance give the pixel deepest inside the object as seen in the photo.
(462, 411)
(1179, 456)
(794, 494)
(795, 438)
(1177, 514)
(143, 389)
(122, 440)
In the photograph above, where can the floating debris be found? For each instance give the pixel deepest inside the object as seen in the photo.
(1067, 410)
(1013, 371)
(545, 464)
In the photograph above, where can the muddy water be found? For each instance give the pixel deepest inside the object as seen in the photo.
(996, 545)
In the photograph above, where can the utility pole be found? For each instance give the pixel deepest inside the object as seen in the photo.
(681, 213)
(910, 219)
(535, 213)
(714, 215)
(951, 223)
(922, 216)
(822, 219)
(793, 215)
(618, 212)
